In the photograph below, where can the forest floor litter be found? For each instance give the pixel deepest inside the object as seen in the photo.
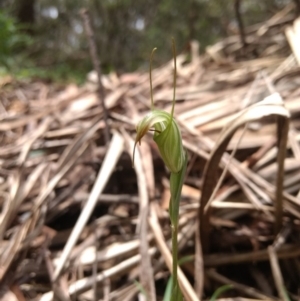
(78, 222)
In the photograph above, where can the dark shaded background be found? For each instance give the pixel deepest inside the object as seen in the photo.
(46, 38)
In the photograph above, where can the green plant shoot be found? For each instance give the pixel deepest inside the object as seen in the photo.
(167, 136)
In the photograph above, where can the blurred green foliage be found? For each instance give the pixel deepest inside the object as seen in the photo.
(15, 58)
(12, 42)
(17, 55)
(126, 31)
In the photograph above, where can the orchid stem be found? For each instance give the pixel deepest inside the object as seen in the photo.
(176, 182)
